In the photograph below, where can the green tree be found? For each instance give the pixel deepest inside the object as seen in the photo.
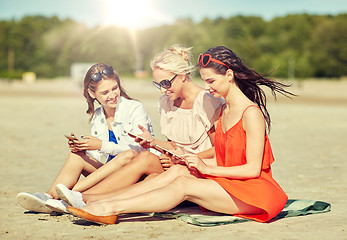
(329, 49)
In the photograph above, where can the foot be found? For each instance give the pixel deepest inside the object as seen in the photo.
(110, 219)
(72, 198)
(57, 205)
(35, 202)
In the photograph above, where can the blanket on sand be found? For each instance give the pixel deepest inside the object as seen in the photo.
(194, 215)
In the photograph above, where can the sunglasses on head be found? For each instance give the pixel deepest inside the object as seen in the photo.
(205, 59)
(164, 83)
(108, 71)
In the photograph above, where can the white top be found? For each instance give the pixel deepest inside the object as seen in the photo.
(188, 127)
(128, 115)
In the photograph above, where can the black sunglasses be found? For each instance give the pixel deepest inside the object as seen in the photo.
(108, 71)
(164, 83)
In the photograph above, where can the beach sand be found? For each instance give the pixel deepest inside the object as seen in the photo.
(308, 137)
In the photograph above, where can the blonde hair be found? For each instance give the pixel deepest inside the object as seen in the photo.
(176, 59)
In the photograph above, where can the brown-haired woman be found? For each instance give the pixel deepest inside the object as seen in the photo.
(110, 123)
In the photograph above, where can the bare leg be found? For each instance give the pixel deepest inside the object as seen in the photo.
(205, 192)
(144, 163)
(105, 170)
(75, 165)
(155, 182)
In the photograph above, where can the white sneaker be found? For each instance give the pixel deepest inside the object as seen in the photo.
(57, 205)
(34, 201)
(72, 198)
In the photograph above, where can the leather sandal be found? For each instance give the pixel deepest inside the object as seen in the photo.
(110, 219)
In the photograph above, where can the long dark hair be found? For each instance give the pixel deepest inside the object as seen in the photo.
(91, 85)
(246, 79)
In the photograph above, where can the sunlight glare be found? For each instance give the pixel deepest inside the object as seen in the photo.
(126, 13)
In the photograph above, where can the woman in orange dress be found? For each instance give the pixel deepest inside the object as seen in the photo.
(238, 179)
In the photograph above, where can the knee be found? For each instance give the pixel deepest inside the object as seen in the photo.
(180, 184)
(129, 154)
(178, 170)
(181, 180)
(126, 156)
(174, 173)
(147, 162)
(76, 158)
(147, 158)
(144, 155)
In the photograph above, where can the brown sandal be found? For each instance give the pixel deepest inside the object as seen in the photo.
(110, 219)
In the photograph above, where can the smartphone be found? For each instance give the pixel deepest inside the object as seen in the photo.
(157, 147)
(71, 137)
(136, 136)
(164, 150)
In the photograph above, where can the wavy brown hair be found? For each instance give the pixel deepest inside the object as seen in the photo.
(248, 80)
(92, 85)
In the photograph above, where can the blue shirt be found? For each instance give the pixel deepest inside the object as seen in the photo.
(111, 138)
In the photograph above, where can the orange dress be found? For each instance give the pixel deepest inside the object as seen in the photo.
(262, 192)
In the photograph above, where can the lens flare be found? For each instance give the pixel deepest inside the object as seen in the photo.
(130, 13)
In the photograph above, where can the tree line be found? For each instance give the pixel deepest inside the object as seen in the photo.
(300, 45)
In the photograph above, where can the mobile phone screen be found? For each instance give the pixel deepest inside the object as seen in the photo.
(71, 138)
(136, 136)
(157, 147)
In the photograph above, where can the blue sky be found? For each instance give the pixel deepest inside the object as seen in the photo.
(148, 13)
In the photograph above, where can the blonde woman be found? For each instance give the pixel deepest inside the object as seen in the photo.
(187, 117)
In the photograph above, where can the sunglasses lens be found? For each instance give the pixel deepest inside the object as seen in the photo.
(96, 77)
(205, 60)
(108, 71)
(200, 57)
(157, 85)
(165, 84)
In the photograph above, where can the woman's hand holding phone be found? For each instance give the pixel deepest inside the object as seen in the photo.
(165, 161)
(86, 143)
(177, 151)
(194, 162)
(72, 138)
(145, 139)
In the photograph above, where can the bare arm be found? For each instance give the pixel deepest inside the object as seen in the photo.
(209, 153)
(148, 141)
(254, 125)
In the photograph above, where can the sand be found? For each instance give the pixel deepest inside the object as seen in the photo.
(308, 138)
